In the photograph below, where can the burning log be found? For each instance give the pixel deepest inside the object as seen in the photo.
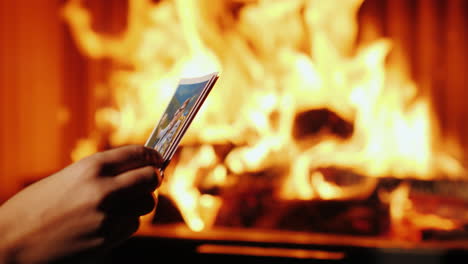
(401, 209)
(252, 203)
(310, 123)
(431, 210)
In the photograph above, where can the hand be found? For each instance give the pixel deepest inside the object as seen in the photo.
(89, 205)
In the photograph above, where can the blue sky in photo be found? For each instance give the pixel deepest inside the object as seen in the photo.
(186, 91)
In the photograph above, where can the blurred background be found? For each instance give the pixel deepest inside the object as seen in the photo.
(46, 88)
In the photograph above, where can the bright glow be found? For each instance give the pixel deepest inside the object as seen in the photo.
(278, 59)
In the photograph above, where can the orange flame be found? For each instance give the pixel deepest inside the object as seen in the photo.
(278, 59)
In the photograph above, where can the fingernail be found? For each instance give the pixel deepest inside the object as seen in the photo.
(160, 176)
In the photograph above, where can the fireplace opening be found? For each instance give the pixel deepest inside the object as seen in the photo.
(335, 132)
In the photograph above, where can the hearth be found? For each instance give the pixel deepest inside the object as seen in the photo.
(170, 239)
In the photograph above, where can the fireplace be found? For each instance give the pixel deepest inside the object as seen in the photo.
(334, 134)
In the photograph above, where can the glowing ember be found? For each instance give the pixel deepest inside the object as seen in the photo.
(405, 217)
(277, 59)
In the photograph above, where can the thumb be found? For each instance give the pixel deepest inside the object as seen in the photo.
(130, 157)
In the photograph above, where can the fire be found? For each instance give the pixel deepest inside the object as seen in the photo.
(277, 59)
(405, 217)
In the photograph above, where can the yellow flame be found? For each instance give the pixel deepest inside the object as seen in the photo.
(278, 58)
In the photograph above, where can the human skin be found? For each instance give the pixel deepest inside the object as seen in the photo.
(87, 207)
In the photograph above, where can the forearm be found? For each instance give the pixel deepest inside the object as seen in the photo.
(8, 243)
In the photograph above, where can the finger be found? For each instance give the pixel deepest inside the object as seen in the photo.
(141, 180)
(142, 205)
(117, 228)
(137, 205)
(118, 160)
(126, 204)
(129, 186)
